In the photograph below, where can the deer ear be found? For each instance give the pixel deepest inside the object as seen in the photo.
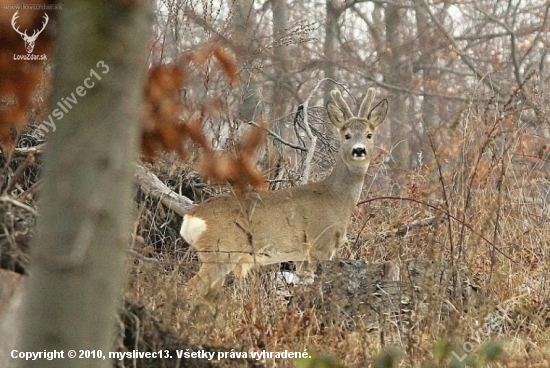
(378, 114)
(335, 114)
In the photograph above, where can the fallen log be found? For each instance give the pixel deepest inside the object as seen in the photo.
(348, 292)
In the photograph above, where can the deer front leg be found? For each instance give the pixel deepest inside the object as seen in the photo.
(305, 270)
(325, 251)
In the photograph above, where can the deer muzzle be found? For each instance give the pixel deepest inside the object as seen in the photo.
(359, 152)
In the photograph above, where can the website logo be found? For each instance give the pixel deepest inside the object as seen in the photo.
(29, 40)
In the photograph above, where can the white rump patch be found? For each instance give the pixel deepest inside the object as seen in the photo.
(192, 228)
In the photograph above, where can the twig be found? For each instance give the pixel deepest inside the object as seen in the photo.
(403, 230)
(18, 173)
(16, 203)
(278, 137)
(141, 256)
(24, 151)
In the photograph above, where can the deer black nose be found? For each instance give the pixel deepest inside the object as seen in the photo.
(358, 152)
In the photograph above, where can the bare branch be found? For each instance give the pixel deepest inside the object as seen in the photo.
(465, 59)
(16, 203)
(278, 137)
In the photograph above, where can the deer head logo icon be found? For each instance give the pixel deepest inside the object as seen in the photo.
(29, 40)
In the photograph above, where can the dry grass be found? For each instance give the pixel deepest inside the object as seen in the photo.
(488, 188)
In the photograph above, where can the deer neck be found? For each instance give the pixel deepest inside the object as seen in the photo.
(346, 182)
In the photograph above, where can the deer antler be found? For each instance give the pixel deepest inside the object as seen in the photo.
(367, 102)
(341, 103)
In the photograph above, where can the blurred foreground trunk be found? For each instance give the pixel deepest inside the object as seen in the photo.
(77, 270)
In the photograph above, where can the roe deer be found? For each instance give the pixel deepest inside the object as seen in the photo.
(303, 223)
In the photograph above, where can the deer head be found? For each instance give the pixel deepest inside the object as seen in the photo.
(356, 131)
(29, 40)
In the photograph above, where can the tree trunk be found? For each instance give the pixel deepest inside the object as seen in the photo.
(427, 44)
(77, 270)
(329, 47)
(281, 83)
(280, 59)
(244, 28)
(396, 74)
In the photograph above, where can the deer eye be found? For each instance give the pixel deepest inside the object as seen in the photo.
(369, 135)
(347, 136)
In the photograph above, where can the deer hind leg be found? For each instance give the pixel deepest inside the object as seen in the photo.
(216, 265)
(211, 276)
(241, 268)
(209, 279)
(245, 264)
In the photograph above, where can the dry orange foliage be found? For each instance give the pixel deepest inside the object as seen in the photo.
(170, 122)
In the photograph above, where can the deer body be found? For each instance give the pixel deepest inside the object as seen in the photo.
(304, 223)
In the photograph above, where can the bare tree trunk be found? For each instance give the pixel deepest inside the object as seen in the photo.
(282, 84)
(396, 74)
(329, 47)
(280, 58)
(77, 270)
(243, 28)
(431, 75)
